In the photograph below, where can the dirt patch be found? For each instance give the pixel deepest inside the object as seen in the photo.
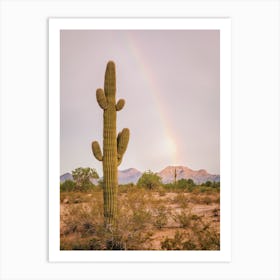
(148, 220)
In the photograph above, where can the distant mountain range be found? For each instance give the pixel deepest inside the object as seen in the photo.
(132, 175)
(183, 172)
(65, 177)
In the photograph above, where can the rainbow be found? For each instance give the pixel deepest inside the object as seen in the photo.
(171, 142)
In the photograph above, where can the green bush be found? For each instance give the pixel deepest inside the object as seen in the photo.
(149, 180)
(82, 178)
(181, 185)
(67, 186)
(169, 187)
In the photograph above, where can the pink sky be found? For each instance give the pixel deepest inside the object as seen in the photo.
(170, 81)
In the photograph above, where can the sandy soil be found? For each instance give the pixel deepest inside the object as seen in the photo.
(205, 207)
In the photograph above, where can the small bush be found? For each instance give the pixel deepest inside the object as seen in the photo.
(180, 241)
(141, 214)
(181, 200)
(140, 218)
(209, 240)
(161, 191)
(207, 200)
(67, 186)
(125, 188)
(200, 237)
(149, 180)
(175, 243)
(183, 219)
(161, 216)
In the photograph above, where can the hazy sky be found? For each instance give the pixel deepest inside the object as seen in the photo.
(170, 81)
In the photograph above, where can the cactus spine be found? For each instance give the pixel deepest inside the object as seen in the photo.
(114, 146)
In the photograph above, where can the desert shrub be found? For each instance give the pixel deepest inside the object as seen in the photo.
(140, 218)
(175, 243)
(80, 197)
(71, 186)
(161, 216)
(140, 213)
(85, 187)
(216, 185)
(82, 219)
(161, 191)
(78, 243)
(187, 184)
(132, 231)
(180, 241)
(82, 178)
(134, 199)
(182, 183)
(183, 218)
(126, 187)
(210, 187)
(136, 206)
(130, 238)
(181, 200)
(149, 180)
(67, 186)
(200, 236)
(207, 184)
(207, 237)
(195, 198)
(206, 200)
(209, 240)
(190, 188)
(204, 189)
(189, 245)
(169, 187)
(211, 184)
(134, 217)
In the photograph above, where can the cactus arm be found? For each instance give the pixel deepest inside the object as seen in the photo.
(119, 160)
(101, 99)
(120, 104)
(119, 156)
(122, 142)
(96, 150)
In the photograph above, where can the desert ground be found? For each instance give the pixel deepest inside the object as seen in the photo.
(159, 219)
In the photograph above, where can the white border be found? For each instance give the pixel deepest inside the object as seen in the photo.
(222, 24)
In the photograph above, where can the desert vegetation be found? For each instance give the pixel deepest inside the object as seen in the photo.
(150, 216)
(147, 216)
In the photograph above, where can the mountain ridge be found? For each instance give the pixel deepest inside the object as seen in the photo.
(132, 175)
(183, 172)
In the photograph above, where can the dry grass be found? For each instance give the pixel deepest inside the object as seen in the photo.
(147, 220)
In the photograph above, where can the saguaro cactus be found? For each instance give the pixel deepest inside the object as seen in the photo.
(175, 176)
(114, 146)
